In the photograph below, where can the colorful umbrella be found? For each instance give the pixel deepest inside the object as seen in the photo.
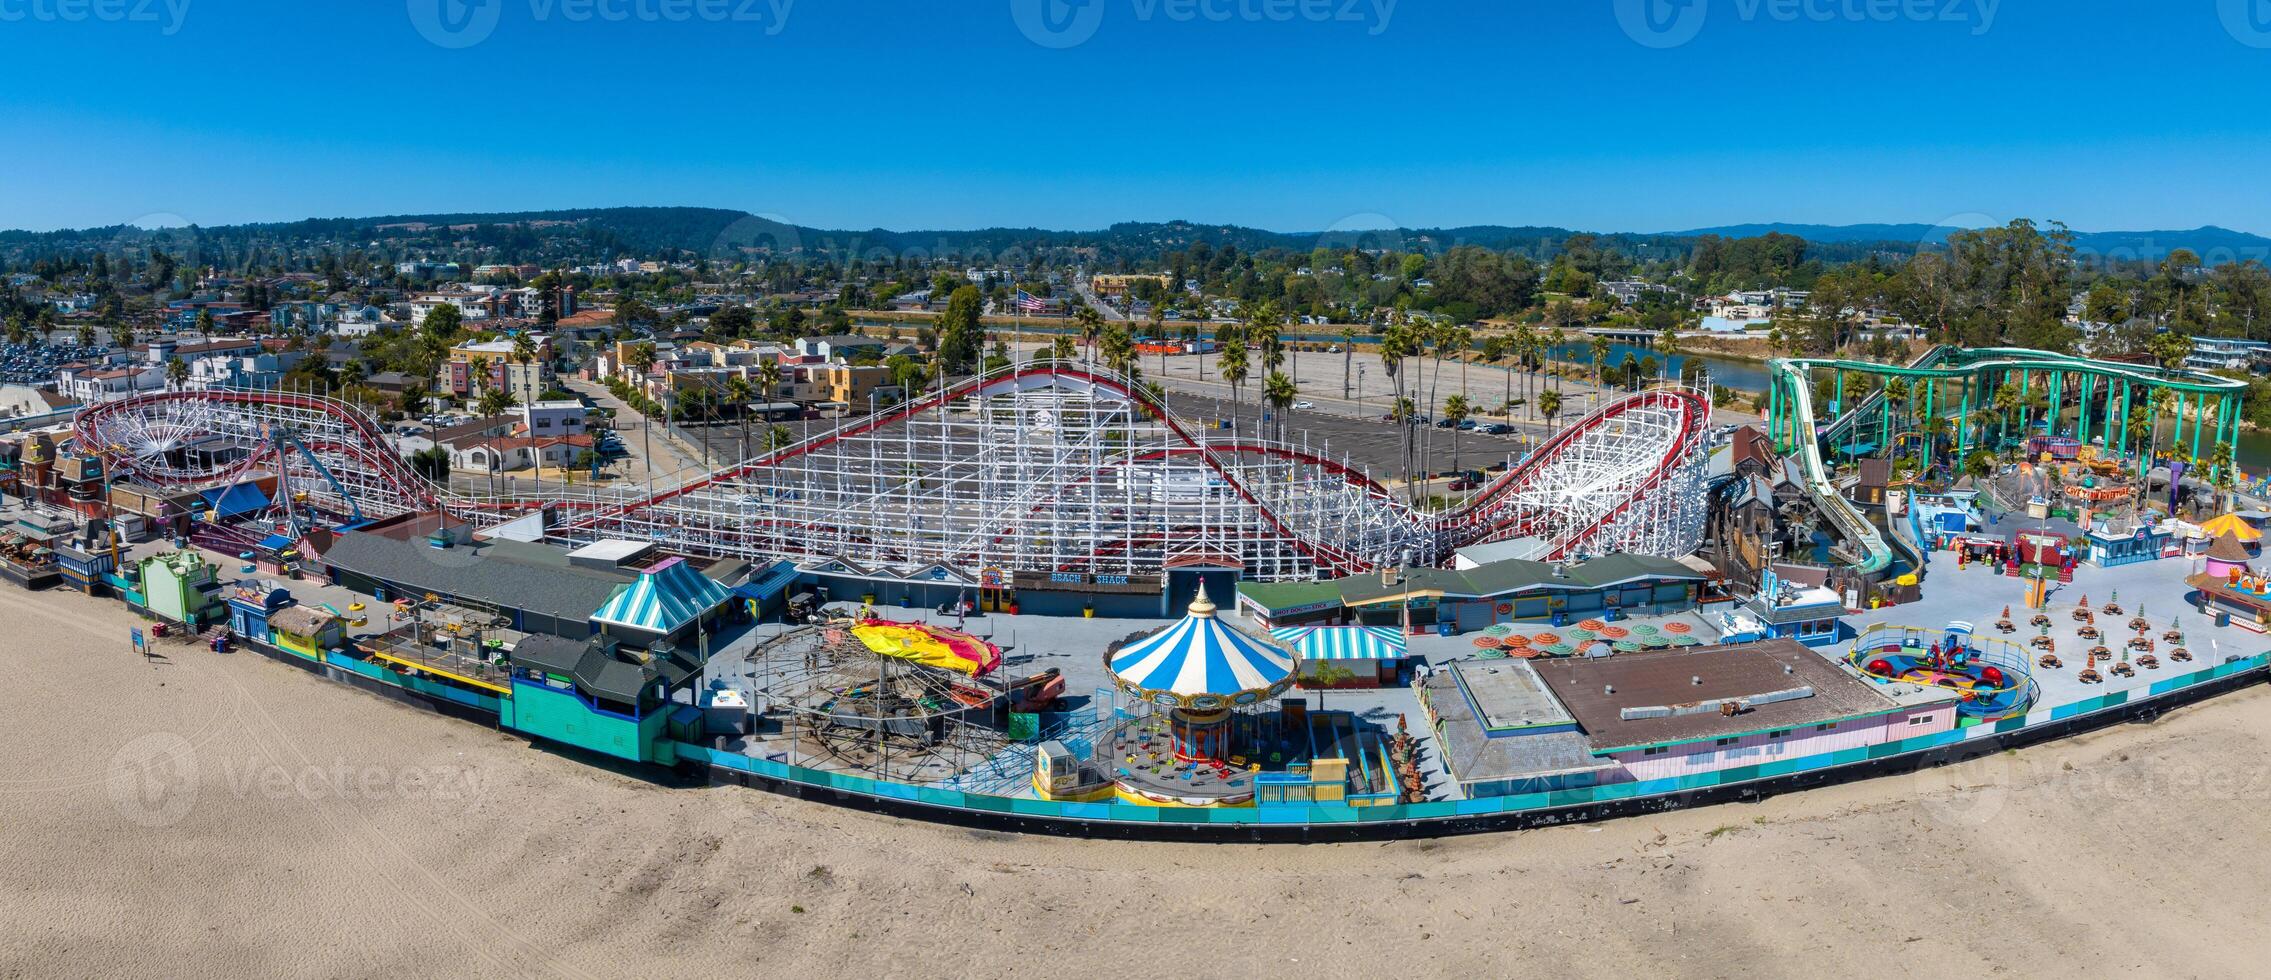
(1500, 630)
(1592, 624)
(1687, 641)
(1486, 642)
(1517, 641)
(1616, 632)
(1560, 650)
(1625, 646)
(1678, 627)
(1545, 639)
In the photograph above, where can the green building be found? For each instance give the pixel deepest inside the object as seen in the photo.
(1470, 598)
(596, 695)
(180, 587)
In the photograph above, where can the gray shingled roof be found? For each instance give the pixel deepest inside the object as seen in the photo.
(507, 574)
(598, 673)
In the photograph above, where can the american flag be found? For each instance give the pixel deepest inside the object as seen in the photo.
(1029, 303)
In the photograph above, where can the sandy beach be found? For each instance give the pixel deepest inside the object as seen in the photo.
(223, 816)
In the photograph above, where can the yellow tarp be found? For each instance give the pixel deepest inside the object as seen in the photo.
(2232, 525)
(944, 649)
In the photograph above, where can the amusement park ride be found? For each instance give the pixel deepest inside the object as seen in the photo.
(1047, 470)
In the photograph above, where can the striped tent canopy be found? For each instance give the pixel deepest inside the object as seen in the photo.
(1202, 663)
(667, 596)
(1347, 642)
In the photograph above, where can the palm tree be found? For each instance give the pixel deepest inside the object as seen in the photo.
(1456, 409)
(1119, 350)
(1600, 347)
(1159, 332)
(1397, 343)
(1348, 357)
(769, 374)
(177, 372)
(1934, 429)
(1280, 391)
(1061, 348)
(1091, 324)
(738, 391)
(1462, 346)
(524, 354)
(1233, 366)
(1526, 349)
(1495, 349)
(476, 375)
(1549, 405)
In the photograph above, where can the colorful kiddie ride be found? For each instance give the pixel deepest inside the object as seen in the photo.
(1991, 676)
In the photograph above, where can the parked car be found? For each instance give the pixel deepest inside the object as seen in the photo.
(1497, 429)
(1443, 423)
(1305, 406)
(1468, 425)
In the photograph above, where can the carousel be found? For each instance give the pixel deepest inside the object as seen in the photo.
(1196, 675)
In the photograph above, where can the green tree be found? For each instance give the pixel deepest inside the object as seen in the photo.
(1232, 363)
(1119, 349)
(1456, 409)
(769, 375)
(494, 402)
(442, 323)
(1549, 405)
(177, 372)
(432, 463)
(961, 334)
(1091, 325)
(1280, 392)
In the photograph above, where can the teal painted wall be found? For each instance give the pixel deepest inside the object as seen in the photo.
(563, 717)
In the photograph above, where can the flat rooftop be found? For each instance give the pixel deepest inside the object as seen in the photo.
(1507, 694)
(1639, 699)
(1476, 756)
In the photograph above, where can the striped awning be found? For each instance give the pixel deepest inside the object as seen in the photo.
(1201, 662)
(1342, 642)
(666, 597)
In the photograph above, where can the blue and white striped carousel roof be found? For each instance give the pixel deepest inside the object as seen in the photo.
(1342, 642)
(1202, 655)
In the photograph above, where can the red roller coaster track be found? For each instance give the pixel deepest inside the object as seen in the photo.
(352, 440)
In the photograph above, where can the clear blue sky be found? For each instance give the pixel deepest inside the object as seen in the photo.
(2108, 114)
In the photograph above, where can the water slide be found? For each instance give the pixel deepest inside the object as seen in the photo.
(1840, 430)
(1856, 529)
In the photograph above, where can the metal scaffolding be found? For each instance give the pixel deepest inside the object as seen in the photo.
(1057, 470)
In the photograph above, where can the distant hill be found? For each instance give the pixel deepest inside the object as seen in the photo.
(720, 232)
(2213, 244)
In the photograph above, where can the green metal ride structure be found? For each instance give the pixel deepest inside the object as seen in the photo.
(2101, 395)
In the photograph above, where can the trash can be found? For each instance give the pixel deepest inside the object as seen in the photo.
(1446, 629)
(2223, 619)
